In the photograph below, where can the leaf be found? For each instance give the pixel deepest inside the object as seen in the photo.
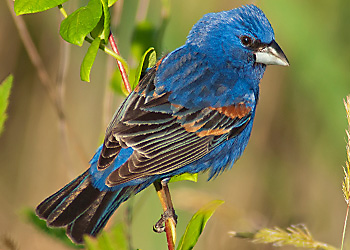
(118, 233)
(184, 177)
(111, 2)
(89, 59)
(197, 224)
(5, 89)
(106, 22)
(34, 6)
(147, 61)
(97, 31)
(109, 240)
(58, 233)
(81, 22)
(102, 29)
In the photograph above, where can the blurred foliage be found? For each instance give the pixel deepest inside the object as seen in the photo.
(5, 89)
(319, 79)
(116, 238)
(57, 233)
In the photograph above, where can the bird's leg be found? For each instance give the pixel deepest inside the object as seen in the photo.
(168, 219)
(168, 208)
(168, 214)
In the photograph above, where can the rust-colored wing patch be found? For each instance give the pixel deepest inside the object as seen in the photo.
(192, 127)
(213, 122)
(159, 62)
(233, 111)
(212, 132)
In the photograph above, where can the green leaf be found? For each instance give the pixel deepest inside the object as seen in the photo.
(114, 239)
(102, 29)
(81, 22)
(5, 89)
(111, 2)
(34, 6)
(106, 22)
(197, 224)
(97, 31)
(185, 177)
(119, 236)
(147, 61)
(89, 59)
(57, 233)
(90, 243)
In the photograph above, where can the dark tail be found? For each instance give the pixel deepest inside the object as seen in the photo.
(81, 207)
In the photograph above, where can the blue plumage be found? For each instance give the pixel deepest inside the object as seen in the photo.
(192, 112)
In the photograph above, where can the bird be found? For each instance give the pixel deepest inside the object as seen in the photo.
(192, 112)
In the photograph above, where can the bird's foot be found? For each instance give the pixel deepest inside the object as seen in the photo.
(168, 214)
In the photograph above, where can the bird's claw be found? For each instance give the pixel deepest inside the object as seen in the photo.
(168, 214)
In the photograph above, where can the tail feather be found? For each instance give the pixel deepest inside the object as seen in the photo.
(76, 202)
(81, 207)
(96, 216)
(45, 208)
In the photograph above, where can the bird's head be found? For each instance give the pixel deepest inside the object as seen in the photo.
(242, 36)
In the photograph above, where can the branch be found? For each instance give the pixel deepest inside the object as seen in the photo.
(167, 205)
(120, 64)
(53, 93)
(35, 59)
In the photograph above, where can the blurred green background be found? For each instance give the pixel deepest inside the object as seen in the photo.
(290, 173)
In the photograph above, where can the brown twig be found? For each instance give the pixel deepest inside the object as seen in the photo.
(167, 205)
(55, 94)
(35, 58)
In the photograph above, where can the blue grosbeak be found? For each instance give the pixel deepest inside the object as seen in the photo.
(192, 112)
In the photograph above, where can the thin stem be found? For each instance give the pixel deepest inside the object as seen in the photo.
(344, 228)
(171, 234)
(45, 79)
(35, 58)
(60, 93)
(165, 199)
(120, 63)
(108, 99)
(63, 11)
(112, 53)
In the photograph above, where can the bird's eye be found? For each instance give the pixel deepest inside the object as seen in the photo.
(246, 40)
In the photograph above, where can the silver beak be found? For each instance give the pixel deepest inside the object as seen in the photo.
(271, 55)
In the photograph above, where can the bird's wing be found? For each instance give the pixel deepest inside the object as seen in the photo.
(165, 136)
